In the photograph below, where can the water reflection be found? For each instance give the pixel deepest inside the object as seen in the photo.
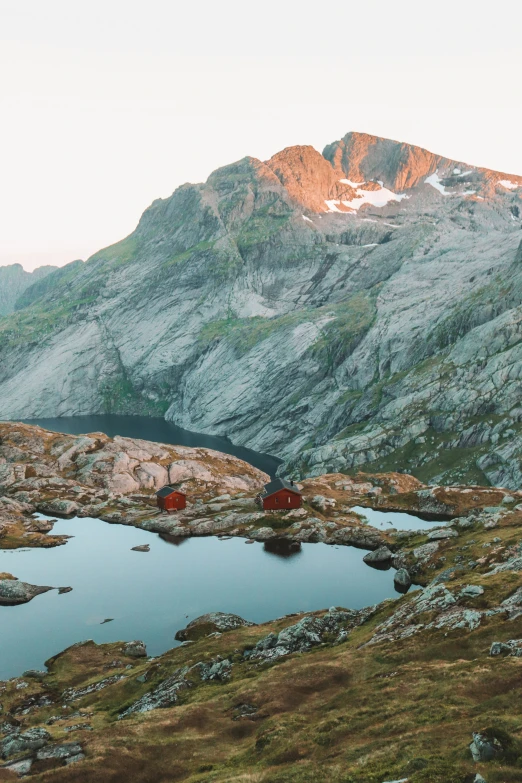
(282, 547)
(175, 540)
(383, 566)
(399, 520)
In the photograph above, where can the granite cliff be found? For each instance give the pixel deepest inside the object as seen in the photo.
(356, 309)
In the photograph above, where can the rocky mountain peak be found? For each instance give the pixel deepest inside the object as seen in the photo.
(361, 157)
(307, 176)
(341, 179)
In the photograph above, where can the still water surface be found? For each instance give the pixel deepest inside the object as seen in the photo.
(397, 519)
(158, 430)
(152, 594)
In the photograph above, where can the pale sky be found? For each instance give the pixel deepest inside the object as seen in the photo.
(109, 104)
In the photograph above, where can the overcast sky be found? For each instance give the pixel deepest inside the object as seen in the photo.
(109, 104)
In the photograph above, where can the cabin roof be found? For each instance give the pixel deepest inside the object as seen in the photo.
(164, 492)
(277, 484)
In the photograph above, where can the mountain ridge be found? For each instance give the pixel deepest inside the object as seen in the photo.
(332, 321)
(14, 281)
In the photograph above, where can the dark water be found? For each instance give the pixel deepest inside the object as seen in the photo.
(152, 595)
(158, 430)
(397, 519)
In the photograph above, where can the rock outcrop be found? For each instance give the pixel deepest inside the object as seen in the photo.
(213, 622)
(14, 592)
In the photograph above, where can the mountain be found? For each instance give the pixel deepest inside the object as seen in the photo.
(14, 280)
(356, 309)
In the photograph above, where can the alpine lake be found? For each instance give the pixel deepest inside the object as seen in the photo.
(120, 594)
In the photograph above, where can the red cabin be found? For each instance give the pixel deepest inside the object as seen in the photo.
(281, 495)
(170, 499)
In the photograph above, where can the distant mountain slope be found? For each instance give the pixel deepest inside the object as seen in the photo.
(357, 308)
(14, 280)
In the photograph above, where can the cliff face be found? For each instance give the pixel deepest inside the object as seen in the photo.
(357, 308)
(14, 280)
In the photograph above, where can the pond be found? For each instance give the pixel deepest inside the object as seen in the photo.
(400, 520)
(157, 430)
(151, 595)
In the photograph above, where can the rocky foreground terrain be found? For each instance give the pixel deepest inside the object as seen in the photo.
(424, 688)
(358, 309)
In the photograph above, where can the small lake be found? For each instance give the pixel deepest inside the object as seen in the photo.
(153, 594)
(397, 519)
(156, 429)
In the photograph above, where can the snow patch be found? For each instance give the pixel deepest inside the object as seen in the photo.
(307, 218)
(506, 183)
(351, 184)
(332, 205)
(377, 198)
(434, 181)
(373, 244)
(456, 171)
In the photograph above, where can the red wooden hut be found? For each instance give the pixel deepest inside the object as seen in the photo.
(281, 495)
(170, 499)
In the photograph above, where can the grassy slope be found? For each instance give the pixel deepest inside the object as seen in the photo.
(338, 713)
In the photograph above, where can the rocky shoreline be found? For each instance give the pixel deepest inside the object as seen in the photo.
(114, 479)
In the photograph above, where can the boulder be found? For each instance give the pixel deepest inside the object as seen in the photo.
(74, 758)
(379, 557)
(308, 632)
(141, 548)
(512, 647)
(135, 649)
(20, 767)
(471, 591)
(361, 536)
(151, 475)
(14, 592)
(29, 740)
(321, 503)
(210, 623)
(122, 484)
(217, 671)
(65, 751)
(442, 533)
(402, 580)
(424, 552)
(484, 747)
(263, 534)
(186, 469)
(62, 508)
(166, 694)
